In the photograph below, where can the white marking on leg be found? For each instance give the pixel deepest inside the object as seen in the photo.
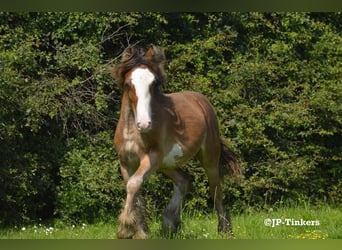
(132, 187)
(142, 79)
(172, 157)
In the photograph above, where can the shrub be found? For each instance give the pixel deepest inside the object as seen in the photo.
(91, 186)
(28, 178)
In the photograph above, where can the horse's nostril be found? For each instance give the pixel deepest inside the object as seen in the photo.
(144, 126)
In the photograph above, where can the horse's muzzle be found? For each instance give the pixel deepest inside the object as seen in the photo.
(144, 127)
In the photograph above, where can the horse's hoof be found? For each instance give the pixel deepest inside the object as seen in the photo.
(125, 232)
(140, 235)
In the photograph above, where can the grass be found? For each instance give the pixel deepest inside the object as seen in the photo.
(329, 222)
(197, 225)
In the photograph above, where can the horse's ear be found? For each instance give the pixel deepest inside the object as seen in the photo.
(127, 54)
(131, 52)
(155, 55)
(149, 53)
(117, 71)
(156, 58)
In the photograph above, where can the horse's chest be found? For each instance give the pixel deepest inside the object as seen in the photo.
(130, 143)
(127, 147)
(132, 148)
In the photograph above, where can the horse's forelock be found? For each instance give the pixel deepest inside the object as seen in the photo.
(133, 56)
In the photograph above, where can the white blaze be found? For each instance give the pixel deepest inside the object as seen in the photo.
(142, 78)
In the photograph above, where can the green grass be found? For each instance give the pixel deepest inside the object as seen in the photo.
(197, 225)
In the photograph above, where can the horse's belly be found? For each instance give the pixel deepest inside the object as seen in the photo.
(174, 156)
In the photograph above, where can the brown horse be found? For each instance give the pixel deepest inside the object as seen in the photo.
(162, 132)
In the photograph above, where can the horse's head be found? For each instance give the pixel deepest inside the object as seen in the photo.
(139, 75)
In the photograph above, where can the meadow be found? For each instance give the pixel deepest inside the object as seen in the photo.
(197, 225)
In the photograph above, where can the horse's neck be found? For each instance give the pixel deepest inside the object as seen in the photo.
(126, 113)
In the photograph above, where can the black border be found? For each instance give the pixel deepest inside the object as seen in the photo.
(171, 5)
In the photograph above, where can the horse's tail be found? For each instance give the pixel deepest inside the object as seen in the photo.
(228, 161)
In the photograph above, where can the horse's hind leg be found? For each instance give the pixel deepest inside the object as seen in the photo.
(171, 215)
(210, 161)
(224, 223)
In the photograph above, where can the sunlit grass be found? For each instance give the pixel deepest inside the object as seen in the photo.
(197, 225)
(61, 231)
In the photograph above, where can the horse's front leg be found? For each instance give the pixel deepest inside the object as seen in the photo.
(131, 221)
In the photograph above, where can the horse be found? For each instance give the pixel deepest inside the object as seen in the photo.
(161, 132)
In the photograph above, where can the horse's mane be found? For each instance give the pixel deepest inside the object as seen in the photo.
(153, 58)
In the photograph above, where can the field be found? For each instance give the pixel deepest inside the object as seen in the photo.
(283, 223)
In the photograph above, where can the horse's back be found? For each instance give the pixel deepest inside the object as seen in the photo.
(199, 125)
(195, 105)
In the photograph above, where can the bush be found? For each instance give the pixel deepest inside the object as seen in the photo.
(28, 178)
(282, 127)
(91, 187)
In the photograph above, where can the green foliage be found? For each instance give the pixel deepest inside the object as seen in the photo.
(287, 138)
(28, 178)
(273, 78)
(91, 186)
